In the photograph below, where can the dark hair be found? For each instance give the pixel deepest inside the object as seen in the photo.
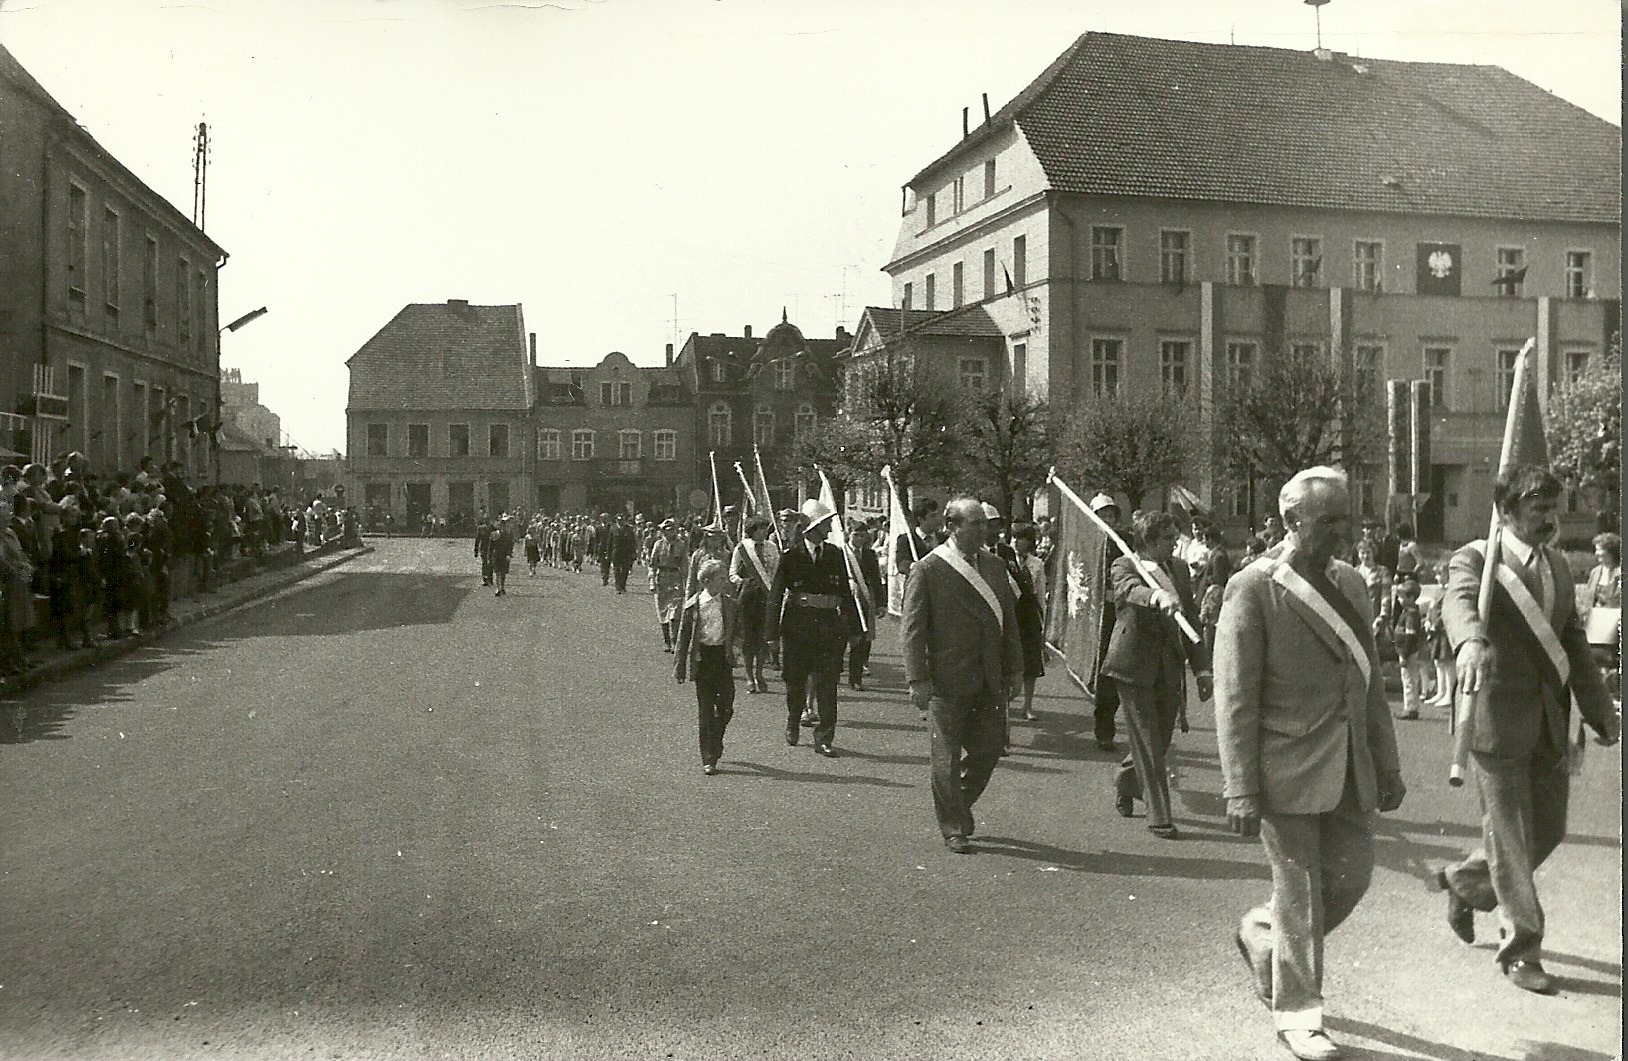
(1255, 545)
(1024, 532)
(1524, 480)
(1148, 525)
(1404, 531)
(755, 524)
(1213, 535)
(922, 507)
(1612, 544)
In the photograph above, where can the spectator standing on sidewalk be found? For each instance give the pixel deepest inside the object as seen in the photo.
(16, 592)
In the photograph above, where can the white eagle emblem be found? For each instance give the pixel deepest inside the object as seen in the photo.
(1079, 587)
(1440, 263)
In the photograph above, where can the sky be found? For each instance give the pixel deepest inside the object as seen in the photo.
(629, 170)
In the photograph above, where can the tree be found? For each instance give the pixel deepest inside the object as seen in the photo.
(1583, 426)
(1295, 411)
(1128, 445)
(1006, 446)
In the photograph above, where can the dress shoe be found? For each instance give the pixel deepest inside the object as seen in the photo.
(825, 750)
(1529, 976)
(1261, 973)
(810, 719)
(1125, 806)
(959, 844)
(1165, 832)
(1313, 1045)
(1106, 745)
(709, 769)
(1460, 914)
(792, 736)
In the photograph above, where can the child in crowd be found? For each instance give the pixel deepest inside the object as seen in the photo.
(1438, 645)
(1407, 632)
(706, 653)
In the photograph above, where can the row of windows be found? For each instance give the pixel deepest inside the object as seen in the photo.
(785, 373)
(630, 444)
(122, 423)
(190, 284)
(1015, 276)
(721, 424)
(1176, 262)
(956, 195)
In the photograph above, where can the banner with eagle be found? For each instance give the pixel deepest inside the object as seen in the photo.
(1080, 556)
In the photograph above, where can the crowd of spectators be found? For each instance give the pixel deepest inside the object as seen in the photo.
(105, 551)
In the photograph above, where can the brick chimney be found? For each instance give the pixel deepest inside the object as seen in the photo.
(748, 331)
(531, 342)
(842, 334)
(669, 355)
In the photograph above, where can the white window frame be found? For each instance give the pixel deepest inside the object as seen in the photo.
(1168, 385)
(1517, 290)
(1238, 372)
(548, 443)
(1438, 395)
(720, 371)
(1252, 278)
(582, 443)
(1118, 249)
(763, 426)
(666, 444)
(1295, 259)
(1186, 252)
(1357, 278)
(1104, 387)
(1586, 288)
(625, 435)
(726, 436)
(958, 285)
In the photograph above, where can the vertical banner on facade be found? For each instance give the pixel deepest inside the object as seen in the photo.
(1399, 433)
(1079, 584)
(1420, 439)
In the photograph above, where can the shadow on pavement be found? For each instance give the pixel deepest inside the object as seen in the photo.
(776, 774)
(1411, 1046)
(1120, 864)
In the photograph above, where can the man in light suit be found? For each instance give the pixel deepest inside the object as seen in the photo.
(1533, 657)
(1306, 744)
(963, 659)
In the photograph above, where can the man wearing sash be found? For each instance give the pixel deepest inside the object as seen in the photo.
(962, 659)
(1306, 744)
(752, 568)
(1533, 659)
(811, 607)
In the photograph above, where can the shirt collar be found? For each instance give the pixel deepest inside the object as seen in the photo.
(1517, 548)
(705, 597)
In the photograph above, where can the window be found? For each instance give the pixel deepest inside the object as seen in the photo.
(1020, 367)
(1173, 367)
(110, 260)
(1173, 247)
(607, 390)
(1105, 367)
(149, 284)
(1507, 359)
(112, 421)
(989, 178)
(378, 440)
(76, 242)
(1576, 365)
(1511, 271)
(960, 194)
(497, 496)
(624, 394)
(785, 374)
(1105, 252)
(183, 301)
(1368, 361)
(720, 371)
(932, 210)
(1367, 259)
(418, 440)
(1240, 259)
(719, 424)
(1306, 350)
(630, 444)
(666, 445)
(957, 287)
(763, 427)
(806, 419)
(1435, 367)
(1579, 274)
(1240, 500)
(497, 440)
(1240, 363)
(989, 273)
(909, 290)
(1363, 492)
(1305, 261)
(973, 374)
(1020, 261)
(138, 412)
(548, 444)
(458, 440)
(932, 292)
(200, 291)
(582, 444)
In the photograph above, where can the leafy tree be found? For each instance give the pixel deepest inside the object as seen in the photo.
(1583, 426)
(1006, 446)
(1294, 411)
(1128, 445)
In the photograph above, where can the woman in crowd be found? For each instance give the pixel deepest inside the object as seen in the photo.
(1604, 586)
(1030, 575)
(1378, 581)
(752, 567)
(16, 593)
(667, 580)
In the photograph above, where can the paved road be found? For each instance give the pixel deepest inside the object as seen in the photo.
(385, 815)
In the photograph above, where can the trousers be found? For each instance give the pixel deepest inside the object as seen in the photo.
(1106, 706)
(715, 699)
(1150, 723)
(814, 639)
(968, 734)
(604, 570)
(621, 577)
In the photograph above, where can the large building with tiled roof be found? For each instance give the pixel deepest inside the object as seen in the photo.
(1155, 214)
(763, 391)
(438, 420)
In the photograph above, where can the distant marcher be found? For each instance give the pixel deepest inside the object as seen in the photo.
(667, 559)
(483, 549)
(501, 550)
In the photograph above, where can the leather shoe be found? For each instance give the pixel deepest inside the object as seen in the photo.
(1106, 745)
(959, 844)
(825, 750)
(709, 769)
(1312, 1045)
(1261, 974)
(1165, 832)
(1460, 914)
(792, 736)
(1529, 976)
(1125, 806)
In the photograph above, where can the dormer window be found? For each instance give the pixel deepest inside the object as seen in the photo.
(785, 374)
(720, 372)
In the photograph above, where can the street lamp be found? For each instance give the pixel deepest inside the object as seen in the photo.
(214, 436)
(252, 315)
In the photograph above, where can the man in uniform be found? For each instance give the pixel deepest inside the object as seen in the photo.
(1306, 745)
(1533, 657)
(962, 659)
(811, 608)
(1105, 697)
(623, 547)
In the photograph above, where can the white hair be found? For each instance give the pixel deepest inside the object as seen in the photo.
(1297, 489)
(709, 568)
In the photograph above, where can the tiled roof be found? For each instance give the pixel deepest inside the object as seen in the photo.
(1122, 115)
(971, 320)
(885, 319)
(444, 355)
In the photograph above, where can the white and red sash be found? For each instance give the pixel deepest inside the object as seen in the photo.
(1536, 622)
(1318, 605)
(950, 556)
(750, 546)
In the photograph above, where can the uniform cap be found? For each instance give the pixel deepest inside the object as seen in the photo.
(816, 512)
(1102, 501)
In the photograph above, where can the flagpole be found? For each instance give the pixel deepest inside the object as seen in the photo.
(768, 498)
(717, 498)
(1469, 705)
(748, 502)
(893, 488)
(1113, 535)
(848, 560)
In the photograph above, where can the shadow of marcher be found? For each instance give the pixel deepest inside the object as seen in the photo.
(1122, 864)
(1415, 1047)
(771, 773)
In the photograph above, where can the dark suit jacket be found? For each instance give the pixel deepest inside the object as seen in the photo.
(798, 573)
(1142, 632)
(903, 557)
(870, 569)
(1521, 696)
(950, 635)
(688, 651)
(623, 545)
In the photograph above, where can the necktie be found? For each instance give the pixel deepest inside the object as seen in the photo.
(818, 549)
(1545, 581)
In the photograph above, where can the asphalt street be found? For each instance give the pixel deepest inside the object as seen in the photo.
(384, 814)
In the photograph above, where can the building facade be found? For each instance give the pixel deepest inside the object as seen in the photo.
(438, 420)
(758, 392)
(1159, 215)
(615, 437)
(108, 300)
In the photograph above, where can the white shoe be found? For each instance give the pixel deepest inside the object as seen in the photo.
(1309, 1045)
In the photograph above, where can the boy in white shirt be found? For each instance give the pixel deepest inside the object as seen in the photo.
(705, 651)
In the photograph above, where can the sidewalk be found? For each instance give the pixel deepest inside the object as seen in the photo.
(47, 662)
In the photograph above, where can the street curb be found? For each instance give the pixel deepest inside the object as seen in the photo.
(86, 658)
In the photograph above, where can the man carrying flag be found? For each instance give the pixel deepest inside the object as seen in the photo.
(1522, 657)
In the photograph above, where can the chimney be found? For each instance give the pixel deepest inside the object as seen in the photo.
(457, 303)
(1323, 54)
(669, 355)
(965, 111)
(531, 341)
(842, 334)
(986, 108)
(748, 331)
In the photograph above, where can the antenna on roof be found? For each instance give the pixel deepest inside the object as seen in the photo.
(200, 172)
(1317, 5)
